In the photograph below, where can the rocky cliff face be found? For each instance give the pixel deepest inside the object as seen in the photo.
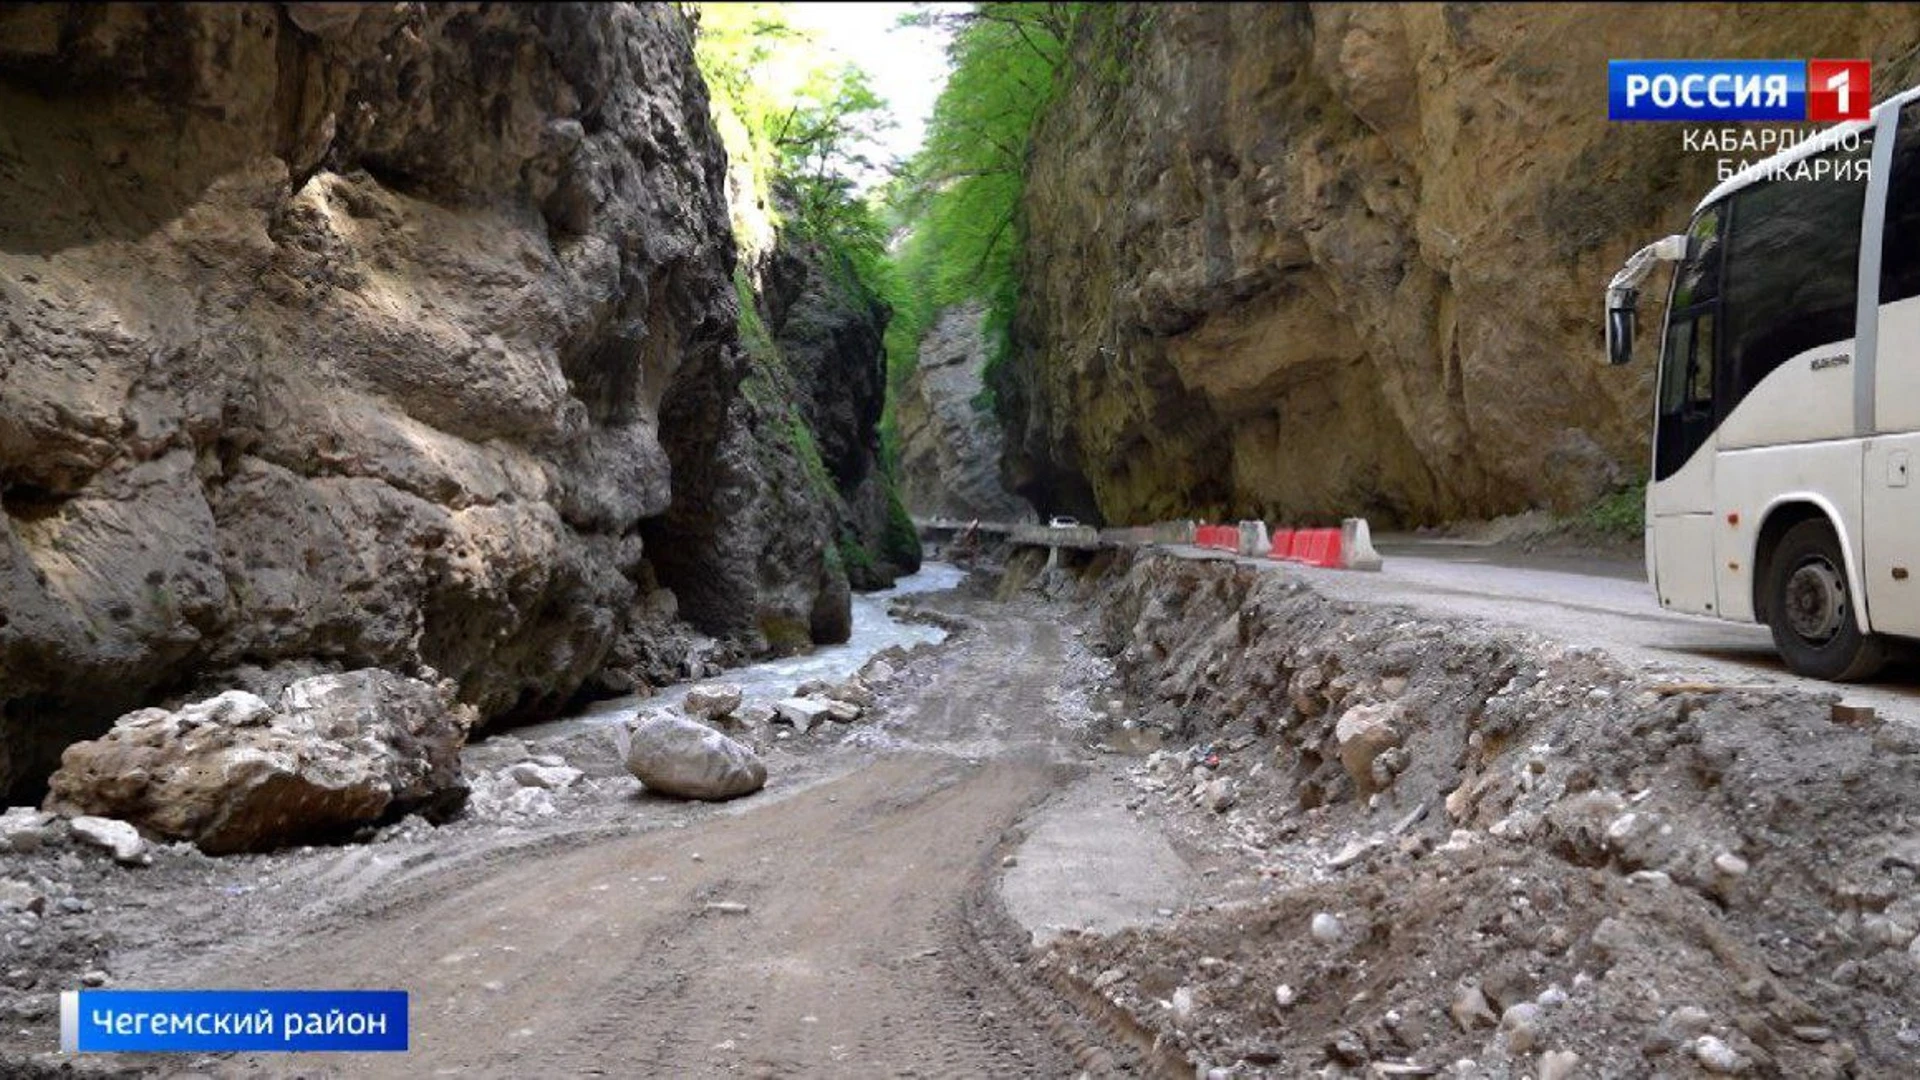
(828, 330)
(341, 336)
(950, 445)
(1306, 260)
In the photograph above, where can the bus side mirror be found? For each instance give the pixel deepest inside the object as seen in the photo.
(1621, 309)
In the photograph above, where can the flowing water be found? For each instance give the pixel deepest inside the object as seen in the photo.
(873, 631)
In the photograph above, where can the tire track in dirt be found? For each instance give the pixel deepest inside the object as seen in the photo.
(861, 951)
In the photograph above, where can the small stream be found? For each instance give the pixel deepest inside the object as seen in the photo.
(873, 631)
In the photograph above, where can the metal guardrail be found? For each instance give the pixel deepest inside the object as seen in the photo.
(1073, 536)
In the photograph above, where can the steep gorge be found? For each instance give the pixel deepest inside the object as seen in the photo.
(1306, 260)
(406, 336)
(950, 443)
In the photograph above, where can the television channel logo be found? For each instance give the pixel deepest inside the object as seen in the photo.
(1739, 90)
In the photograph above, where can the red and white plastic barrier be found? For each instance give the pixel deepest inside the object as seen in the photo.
(1349, 547)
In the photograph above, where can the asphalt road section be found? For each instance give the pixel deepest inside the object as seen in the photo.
(1589, 602)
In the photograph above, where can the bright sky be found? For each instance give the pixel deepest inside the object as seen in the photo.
(908, 64)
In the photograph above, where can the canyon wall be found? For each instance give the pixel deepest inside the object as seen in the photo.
(1307, 260)
(950, 441)
(339, 335)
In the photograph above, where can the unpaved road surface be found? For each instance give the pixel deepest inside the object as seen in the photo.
(841, 924)
(849, 959)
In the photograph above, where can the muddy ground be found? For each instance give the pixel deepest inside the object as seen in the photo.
(839, 923)
(1155, 817)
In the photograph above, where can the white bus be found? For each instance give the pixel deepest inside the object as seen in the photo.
(1786, 435)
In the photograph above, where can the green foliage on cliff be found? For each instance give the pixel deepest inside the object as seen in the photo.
(799, 127)
(804, 444)
(1621, 515)
(792, 117)
(900, 545)
(961, 196)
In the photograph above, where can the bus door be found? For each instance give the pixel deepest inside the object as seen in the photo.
(1892, 480)
(1680, 500)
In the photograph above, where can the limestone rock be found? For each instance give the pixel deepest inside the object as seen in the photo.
(235, 773)
(1183, 1006)
(1521, 1023)
(1326, 928)
(1305, 276)
(1363, 733)
(1717, 1057)
(20, 896)
(550, 777)
(853, 692)
(949, 447)
(1220, 793)
(530, 803)
(1469, 1009)
(390, 365)
(711, 701)
(676, 756)
(24, 829)
(1557, 1065)
(117, 838)
(802, 713)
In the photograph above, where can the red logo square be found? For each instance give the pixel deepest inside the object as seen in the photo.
(1839, 89)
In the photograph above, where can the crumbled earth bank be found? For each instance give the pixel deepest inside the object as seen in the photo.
(1435, 848)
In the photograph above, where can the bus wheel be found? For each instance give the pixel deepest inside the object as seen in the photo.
(1810, 610)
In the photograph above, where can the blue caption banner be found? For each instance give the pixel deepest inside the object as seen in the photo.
(200, 1021)
(1706, 90)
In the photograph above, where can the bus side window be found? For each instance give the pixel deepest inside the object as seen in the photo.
(1700, 383)
(1689, 362)
(1698, 279)
(1793, 261)
(1675, 385)
(1900, 244)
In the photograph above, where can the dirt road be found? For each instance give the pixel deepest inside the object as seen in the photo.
(844, 926)
(614, 959)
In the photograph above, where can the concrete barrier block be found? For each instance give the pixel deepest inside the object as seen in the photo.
(1253, 538)
(1356, 545)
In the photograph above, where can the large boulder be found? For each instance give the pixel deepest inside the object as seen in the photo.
(235, 773)
(676, 756)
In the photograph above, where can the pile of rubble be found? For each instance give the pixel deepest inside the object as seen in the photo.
(1445, 849)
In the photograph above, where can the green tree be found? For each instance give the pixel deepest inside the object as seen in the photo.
(800, 121)
(959, 200)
